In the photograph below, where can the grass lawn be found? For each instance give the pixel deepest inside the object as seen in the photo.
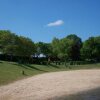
(11, 71)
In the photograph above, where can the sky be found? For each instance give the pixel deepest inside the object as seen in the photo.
(42, 20)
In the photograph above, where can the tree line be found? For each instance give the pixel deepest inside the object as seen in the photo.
(69, 48)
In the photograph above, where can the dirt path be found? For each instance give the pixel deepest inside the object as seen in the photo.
(50, 86)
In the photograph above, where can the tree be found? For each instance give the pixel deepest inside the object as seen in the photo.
(67, 48)
(70, 47)
(43, 48)
(25, 47)
(55, 47)
(14, 45)
(91, 49)
(63, 49)
(47, 49)
(75, 44)
(8, 42)
(39, 48)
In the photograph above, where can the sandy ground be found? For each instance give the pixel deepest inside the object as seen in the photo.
(50, 86)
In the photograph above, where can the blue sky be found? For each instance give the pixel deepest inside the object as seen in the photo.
(42, 20)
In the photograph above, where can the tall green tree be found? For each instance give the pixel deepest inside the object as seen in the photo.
(67, 48)
(91, 49)
(7, 42)
(16, 45)
(55, 47)
(26, 47)
(75, 44)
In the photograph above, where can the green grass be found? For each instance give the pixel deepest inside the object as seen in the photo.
(11, 71)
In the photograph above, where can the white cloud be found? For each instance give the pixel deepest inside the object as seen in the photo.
(56, 23)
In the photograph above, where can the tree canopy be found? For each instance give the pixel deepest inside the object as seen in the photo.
(70, 47)
(16, 45)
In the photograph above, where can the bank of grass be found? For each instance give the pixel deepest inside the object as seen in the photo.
(11, 71)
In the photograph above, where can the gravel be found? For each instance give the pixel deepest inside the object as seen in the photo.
(50, 86)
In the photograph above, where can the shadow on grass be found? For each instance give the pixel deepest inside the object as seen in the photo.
(52, 65)
(93, 94)
(28, 66)
(21, 65)
(1, 62)
(33, 67)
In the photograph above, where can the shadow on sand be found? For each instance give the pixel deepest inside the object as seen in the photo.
(93, 94)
